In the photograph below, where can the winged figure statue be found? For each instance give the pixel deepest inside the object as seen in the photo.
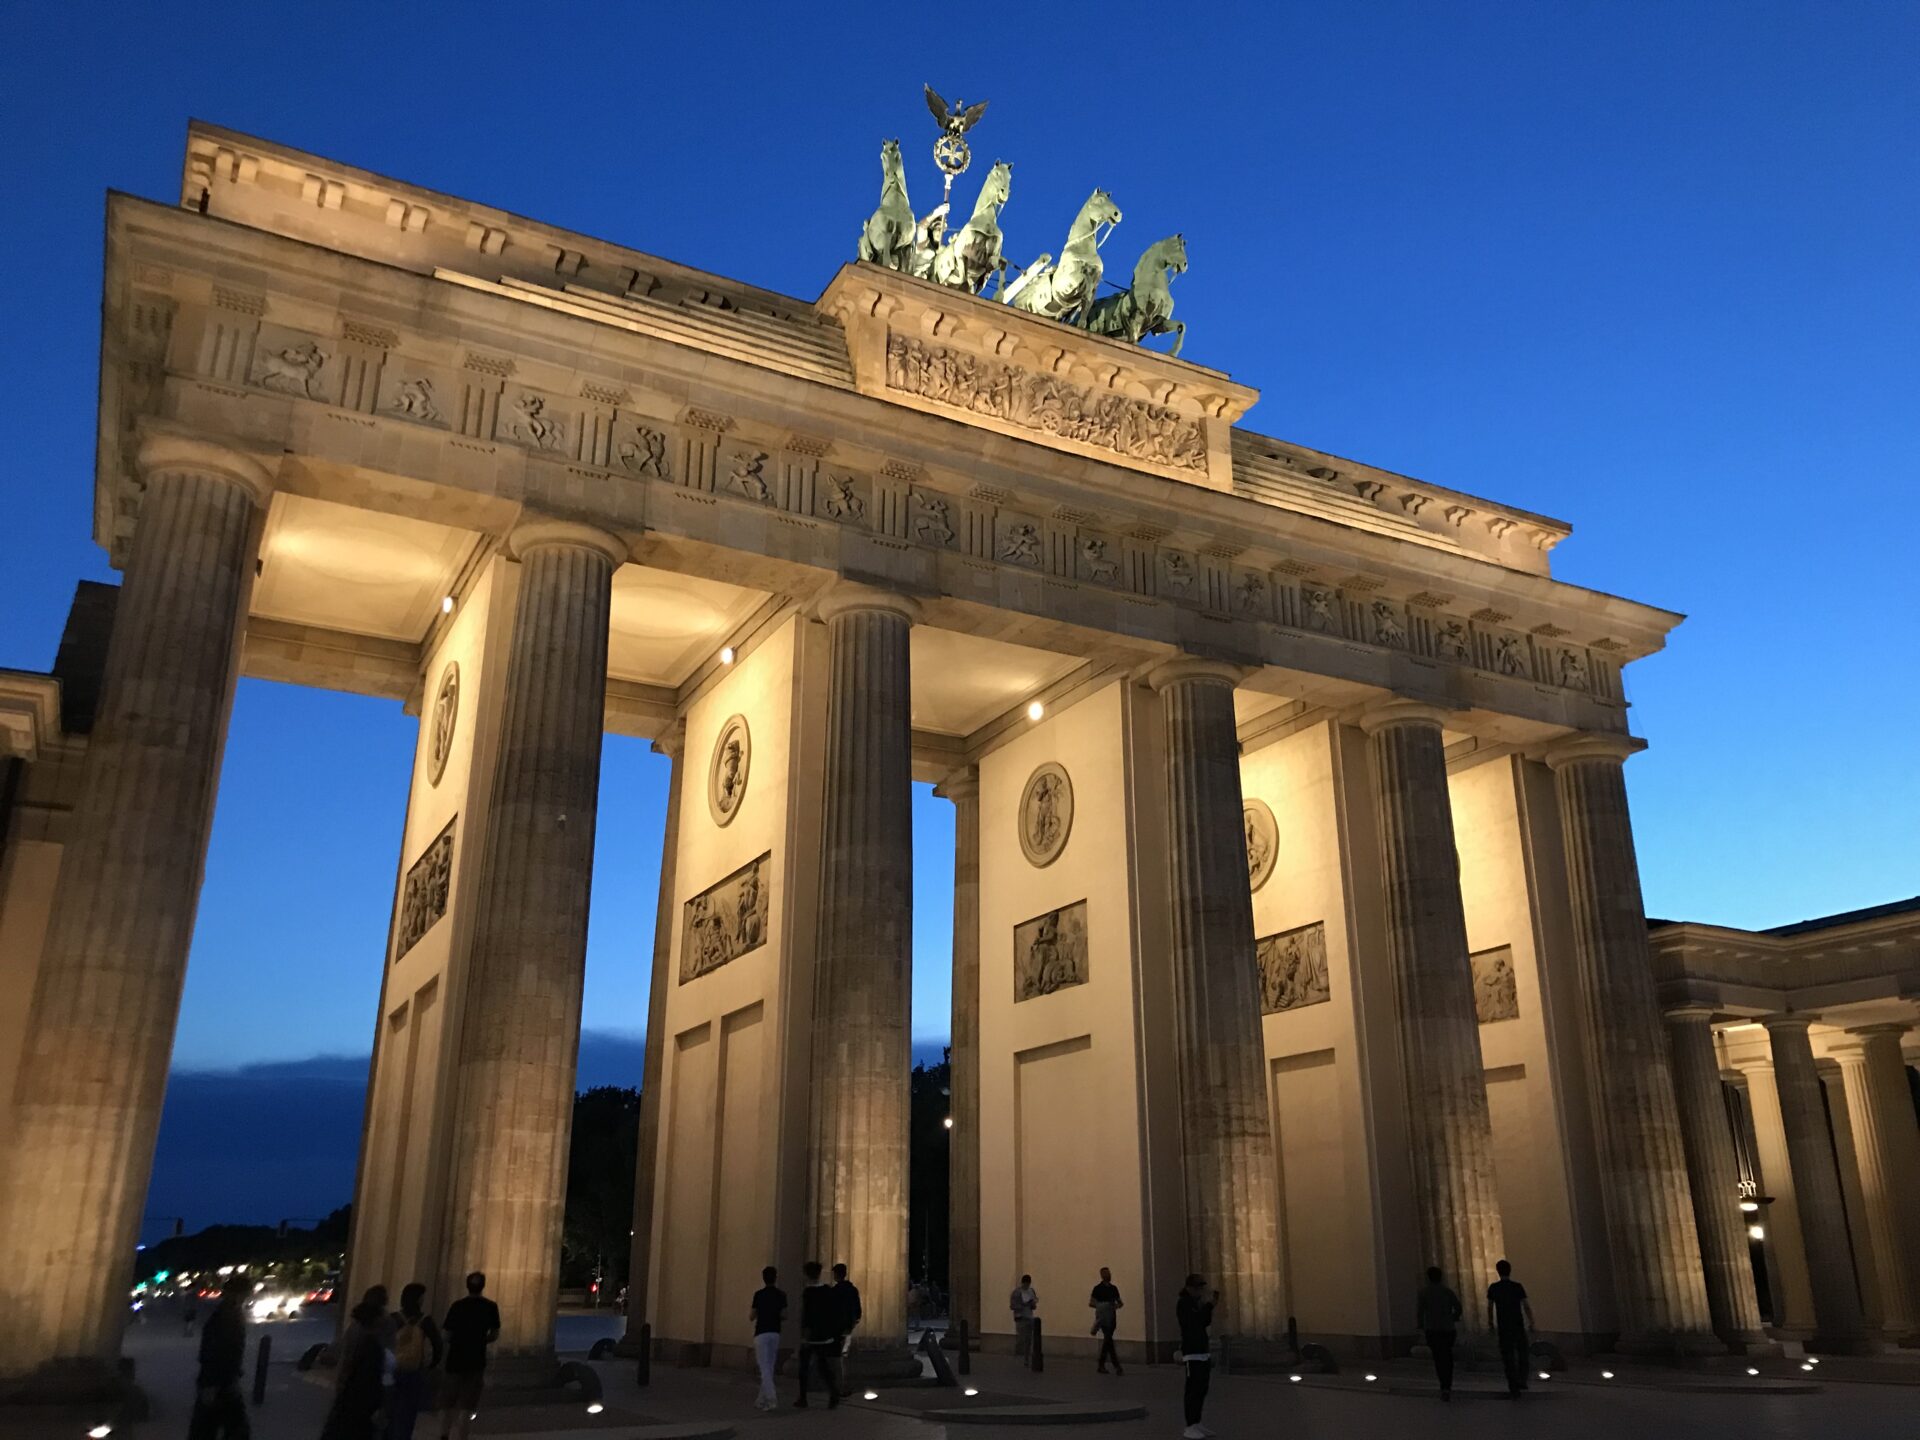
(955, 119)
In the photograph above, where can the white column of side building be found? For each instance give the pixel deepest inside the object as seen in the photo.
(1886, 1138)
(87, 1101)
(963, 1184)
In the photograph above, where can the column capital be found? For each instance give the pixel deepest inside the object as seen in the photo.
(1190, 669)
(1798, 1020)
(671, 742)
(1594, 746)
(960, 784)
(1389, 713)
(1892, 1028)
(183, 454)
(847, 596)
(1690, 1010)
(538, 532)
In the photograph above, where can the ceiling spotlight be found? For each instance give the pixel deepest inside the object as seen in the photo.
(726, 654)
(100, 1432)
(446, 604)
(1813, 1359)
(1807, 1367)
(1294, 1378)
(1372, 1378)
(1757, 1232)
(1545, 1376)
(1750, 1206)
(1036, 710)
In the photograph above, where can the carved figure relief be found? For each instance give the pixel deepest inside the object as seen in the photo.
(1021, 544)
(642, 452)
(423, 899)
(1263, 841)
(1293, 969)
(532, 425)
(1250, 595)
(727, 774)
(1511, 656)
(414, 399)
(1573, 670)
(1046, 814)
(932, 520)
(1050, 952)
(749, 476)
(726, 920)
(1387, 626)
(1130, 427)
(1095, 563)
(1179, 571)
(1452, 641)
(292, 371)
(842, 501)
(446, 715)
(1319, 610)
(1495, 994)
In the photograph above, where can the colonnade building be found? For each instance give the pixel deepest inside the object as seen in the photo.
(1298, 935)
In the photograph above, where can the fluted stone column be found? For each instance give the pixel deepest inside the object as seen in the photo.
(963, 1148)
(1886, 1140)
(1659, 1291)
(1838, 1315)
(1449, 1129)
(1713, 1175)
(640, 1264)
(862, 987)
(520, 1036)
(87, 1102)
(1232, 1186)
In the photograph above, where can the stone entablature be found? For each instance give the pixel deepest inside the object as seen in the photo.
(1758, 972)
(29, 714)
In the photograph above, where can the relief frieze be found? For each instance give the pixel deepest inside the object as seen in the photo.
(423, 899)
(1046, 404)
(726, 921)
(1293, 969)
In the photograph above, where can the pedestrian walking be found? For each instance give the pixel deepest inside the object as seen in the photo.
(472, 1324)
(360, 1384)
(219, 1409)
(190, 1312)
(1107, 1304)
(1194, 1313)
(846, 1302)
(769, 1313)
(1510, 1314)
(820, 1335)
(1024, 1302)
(417, 1352)
(1437, 1316)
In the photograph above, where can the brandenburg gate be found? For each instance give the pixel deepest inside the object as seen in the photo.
(1298, 938)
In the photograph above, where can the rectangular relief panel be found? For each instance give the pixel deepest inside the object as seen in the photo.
(1293, 968)
(424, 898)
(1050, 952)
(727, 920)
(1495, 995)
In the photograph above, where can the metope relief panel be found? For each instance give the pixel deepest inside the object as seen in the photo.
(287, 362)
(539, 422)
(725, 921)
(423, 899)
(1050, 952)
(1293, 969)
(842, 496)
(1496, 996)
(423, 394)
(639, 448)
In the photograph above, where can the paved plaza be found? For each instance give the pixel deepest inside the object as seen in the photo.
(1576, 1406)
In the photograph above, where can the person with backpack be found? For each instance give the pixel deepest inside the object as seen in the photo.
(416, 1355)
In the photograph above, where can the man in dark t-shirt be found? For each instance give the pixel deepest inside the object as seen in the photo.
(769, 1310)
(472, 1324)
(1511, 1316)
(820, 1334)
(1106, 1302)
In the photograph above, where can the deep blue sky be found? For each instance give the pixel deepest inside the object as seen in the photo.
(1650, 268)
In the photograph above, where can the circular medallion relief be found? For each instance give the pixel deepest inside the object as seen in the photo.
(446, 714)
(1046, 814)
(1263, 842)
(727, 778)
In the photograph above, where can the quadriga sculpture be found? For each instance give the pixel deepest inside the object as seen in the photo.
(887, 237)
(1145, 308)
(1058, 291)
(967, 259)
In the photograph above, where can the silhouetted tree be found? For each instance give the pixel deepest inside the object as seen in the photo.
(600, 1163)
(932, 1102)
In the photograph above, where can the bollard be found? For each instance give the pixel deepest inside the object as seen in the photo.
(966, 1355)
(643, 1361)
(1038, 1359)
(260, 1358)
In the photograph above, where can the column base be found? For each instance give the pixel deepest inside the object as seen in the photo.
(80, 1393)
(879, 1365)
(1671, 1344)
(1845, 1345)
(1750, 1342)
